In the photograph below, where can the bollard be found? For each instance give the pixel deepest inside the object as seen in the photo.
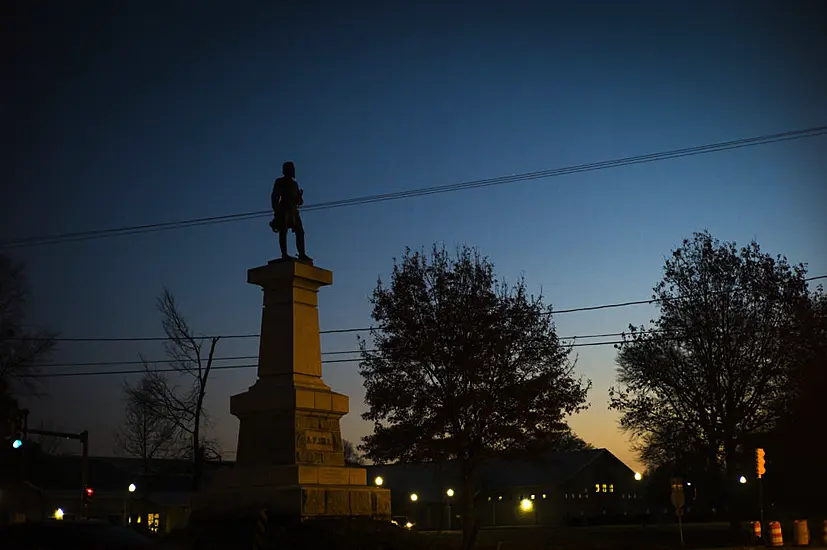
(756, 529)
(776, 538)
(801, 534)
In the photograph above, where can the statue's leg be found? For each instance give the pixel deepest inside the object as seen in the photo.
(300, 243)
(299, 231)
(283, 238)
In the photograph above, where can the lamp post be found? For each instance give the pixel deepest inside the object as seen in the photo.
(448, 494)
(127, 503)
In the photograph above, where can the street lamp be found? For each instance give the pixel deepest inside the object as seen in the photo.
(448, 493)
(58, 513)
(127, 504)
(742, 480)
(379, 481)
(526, 505)
(414, 497)
(638, 476)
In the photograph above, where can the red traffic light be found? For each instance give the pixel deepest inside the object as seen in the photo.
(89, 491)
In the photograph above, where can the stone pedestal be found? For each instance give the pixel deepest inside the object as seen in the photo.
(290, 457)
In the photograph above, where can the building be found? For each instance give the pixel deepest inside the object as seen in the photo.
(590, 486)
(120, 492)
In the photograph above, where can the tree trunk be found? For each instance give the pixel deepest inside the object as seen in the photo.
(196, 451)
(730, 483)
(469, 520)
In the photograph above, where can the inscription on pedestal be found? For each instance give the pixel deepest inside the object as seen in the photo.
(334, 476)
(318, 441)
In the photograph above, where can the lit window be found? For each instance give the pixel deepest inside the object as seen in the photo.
(152, 521)
(596, 487)
(544, 495)
(604, 487)
(611, 488)
(532, 497)
(500, 497)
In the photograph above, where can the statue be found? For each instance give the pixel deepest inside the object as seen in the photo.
(286, 199)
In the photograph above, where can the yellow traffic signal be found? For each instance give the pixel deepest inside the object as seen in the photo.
(760, 466)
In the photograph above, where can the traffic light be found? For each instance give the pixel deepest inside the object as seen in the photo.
(17, 431)
(87, 496)
(760, 466)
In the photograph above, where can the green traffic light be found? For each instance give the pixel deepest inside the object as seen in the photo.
(17, 444)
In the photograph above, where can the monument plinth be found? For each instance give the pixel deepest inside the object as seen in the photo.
(290, 457)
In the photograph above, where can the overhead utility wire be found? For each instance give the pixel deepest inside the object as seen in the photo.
(369, 199)
(366, 329)
(230, 367)
(248, 357)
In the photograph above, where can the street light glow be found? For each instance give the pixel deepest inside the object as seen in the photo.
(379, 481)
(638, 476)
(526, 505)
(414, 497)
(449, 492)
(132, 487)
(742, 479)
(58, 513)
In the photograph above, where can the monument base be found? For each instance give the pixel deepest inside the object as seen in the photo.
(253, 489)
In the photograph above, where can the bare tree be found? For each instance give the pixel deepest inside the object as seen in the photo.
(20, 349)
(179, 398)
(146, 433)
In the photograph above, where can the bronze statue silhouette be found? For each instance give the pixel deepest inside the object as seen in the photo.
(285, 200)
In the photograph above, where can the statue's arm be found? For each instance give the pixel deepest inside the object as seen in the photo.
(274, 197)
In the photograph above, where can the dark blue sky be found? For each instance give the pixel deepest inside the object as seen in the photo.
(163, 111)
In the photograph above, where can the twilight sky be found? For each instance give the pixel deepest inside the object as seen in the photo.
(152, 112)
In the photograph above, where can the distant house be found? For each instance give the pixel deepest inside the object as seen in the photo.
(159, 503)
(556, 488)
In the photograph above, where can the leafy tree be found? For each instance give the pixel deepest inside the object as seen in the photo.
(714, 367)
(462, 367)
(561, 439)
(147, 433)
(20, 349)
(352, 456)
(179, 399)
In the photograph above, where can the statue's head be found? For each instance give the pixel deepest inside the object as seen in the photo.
(288, 169)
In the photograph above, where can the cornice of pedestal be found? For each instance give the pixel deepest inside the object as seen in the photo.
(300, 274)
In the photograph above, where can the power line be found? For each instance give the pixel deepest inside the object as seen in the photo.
(233, 367)
(250, 357)
(475, 184)
(366, 329)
